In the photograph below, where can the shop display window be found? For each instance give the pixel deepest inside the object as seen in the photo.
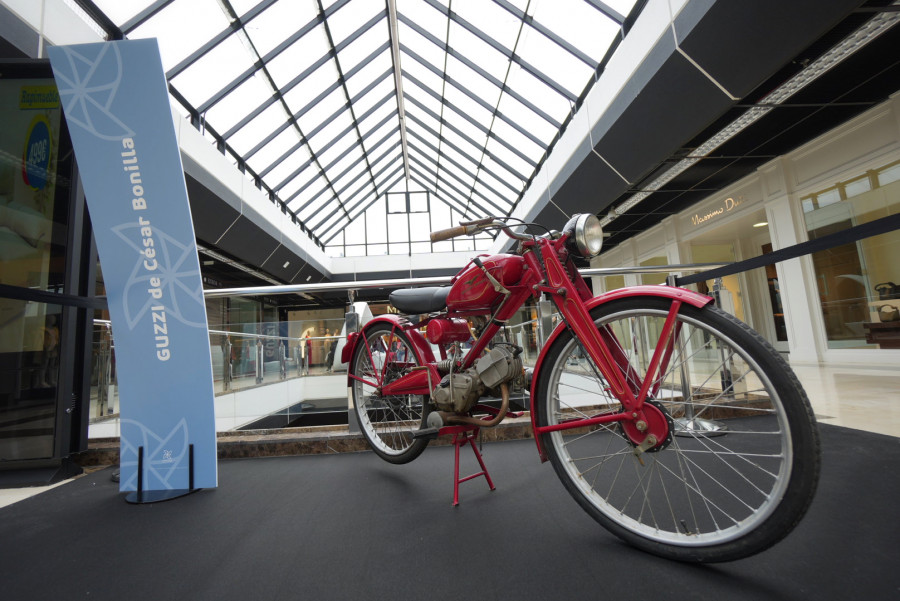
(858, 283)
(35, 188)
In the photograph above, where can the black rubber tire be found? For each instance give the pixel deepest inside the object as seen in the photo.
(793, 481)
(387, 423)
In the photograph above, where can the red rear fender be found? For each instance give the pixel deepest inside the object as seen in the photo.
(420, 346)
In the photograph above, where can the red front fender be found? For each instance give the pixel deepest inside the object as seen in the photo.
(420, 346)
(687, 296)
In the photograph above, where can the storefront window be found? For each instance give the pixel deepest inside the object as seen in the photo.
(728, 289)
(654, 278)
(33, 228)
(32, 221)
(613, 282)
(858, 282)
(29, 368)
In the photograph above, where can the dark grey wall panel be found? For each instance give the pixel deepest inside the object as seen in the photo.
(275, 263)
(740, 44)
(211, 215)
(246, 241)
(22, 40)
(676, 103)
(590, 189)
(581, 151)
(306, 271)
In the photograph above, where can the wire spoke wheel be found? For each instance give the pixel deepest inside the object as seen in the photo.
(704, 496)
(382, 355)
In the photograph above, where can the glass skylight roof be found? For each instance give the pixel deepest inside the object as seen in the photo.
(375, 122)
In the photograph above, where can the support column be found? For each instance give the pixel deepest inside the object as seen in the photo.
(797, 284)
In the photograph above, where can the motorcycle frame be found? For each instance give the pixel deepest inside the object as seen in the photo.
(546, 274)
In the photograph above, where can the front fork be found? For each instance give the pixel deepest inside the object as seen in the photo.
(645, 424)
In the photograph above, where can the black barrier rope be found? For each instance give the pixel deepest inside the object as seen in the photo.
(858, 232)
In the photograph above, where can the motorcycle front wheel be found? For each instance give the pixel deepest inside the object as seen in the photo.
(383, 353)
(743, 464)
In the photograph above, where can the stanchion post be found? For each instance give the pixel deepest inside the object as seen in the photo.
(690, 424)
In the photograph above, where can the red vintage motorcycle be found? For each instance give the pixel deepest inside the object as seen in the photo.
(614, 395)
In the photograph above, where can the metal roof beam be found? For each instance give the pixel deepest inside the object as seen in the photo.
(398, 79)
(608, 11)
(370, 150)
(146, 14)
(482, 128)
(474, 66)
(468, 197)
(233, 27)
(465, 137)
(421, 178)
(336, 228)
(476, 99)
(547, 33)
(511, 55)
(310, 105)
(474, 176)
(334, 140)
(303, 140)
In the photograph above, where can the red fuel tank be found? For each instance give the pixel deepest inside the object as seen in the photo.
(472, 291)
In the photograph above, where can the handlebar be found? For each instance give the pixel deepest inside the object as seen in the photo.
(472, 227)
(452, 232)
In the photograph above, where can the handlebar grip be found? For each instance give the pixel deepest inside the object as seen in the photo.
(448, 233)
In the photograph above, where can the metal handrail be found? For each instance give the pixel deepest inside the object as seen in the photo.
(429, 281)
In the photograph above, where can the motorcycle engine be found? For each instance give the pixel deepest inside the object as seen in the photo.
(459, 392)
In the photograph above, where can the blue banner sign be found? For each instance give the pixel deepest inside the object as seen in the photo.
(116, 104)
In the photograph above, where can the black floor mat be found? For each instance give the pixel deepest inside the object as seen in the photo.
(353, 527)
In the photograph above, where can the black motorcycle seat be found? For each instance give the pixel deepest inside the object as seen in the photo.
(420, 300)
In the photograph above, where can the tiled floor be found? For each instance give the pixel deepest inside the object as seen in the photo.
(853, 397)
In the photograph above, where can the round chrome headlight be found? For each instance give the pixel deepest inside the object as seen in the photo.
(587, 233)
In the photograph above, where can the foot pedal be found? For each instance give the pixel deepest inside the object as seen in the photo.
(426, 433)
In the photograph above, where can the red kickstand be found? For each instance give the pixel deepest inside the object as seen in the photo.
(461, 436)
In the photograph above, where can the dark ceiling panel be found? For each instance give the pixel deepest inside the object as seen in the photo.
(305, 274)
(590, 188)
(17, 40)
(786, 128)
(759, 36)
(211, 215)
(249, 243)
(713, 174)
(275, 264)
(674, 104)
(864, 76)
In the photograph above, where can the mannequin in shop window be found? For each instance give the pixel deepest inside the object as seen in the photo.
(330, 344)
(305, 352)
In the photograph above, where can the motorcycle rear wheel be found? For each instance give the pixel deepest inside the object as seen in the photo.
(704, 496)
(383, 354)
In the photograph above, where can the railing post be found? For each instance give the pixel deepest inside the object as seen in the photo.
(545, 320)
(690, 424)
(351, 325)
(226, 363)
(260, 367)
(104, 400)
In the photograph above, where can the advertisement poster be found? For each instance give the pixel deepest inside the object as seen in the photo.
(115, 100)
